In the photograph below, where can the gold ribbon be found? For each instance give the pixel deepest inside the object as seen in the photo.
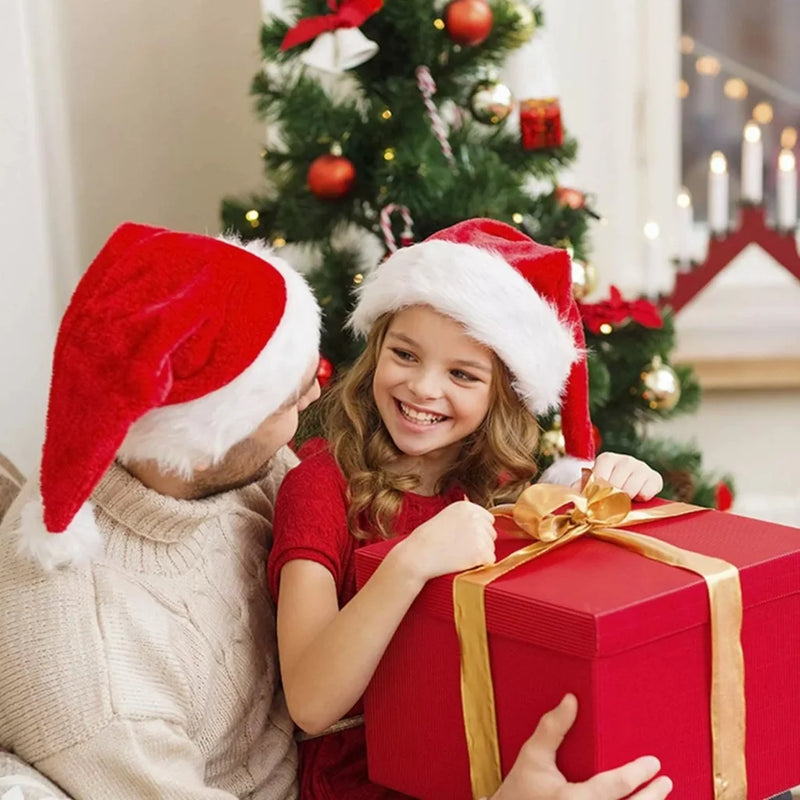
(600, 511)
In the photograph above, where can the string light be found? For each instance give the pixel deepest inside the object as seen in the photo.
(388, 154)
(386, 114)
(252, 217)
(686, 44)
(707, 65)
(357, 278)
(279, 241)
(606, 328)
(763, 113)
(517, 217)
(438, 24)
(683, 89)
(736, 89)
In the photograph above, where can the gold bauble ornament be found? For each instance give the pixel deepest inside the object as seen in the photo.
(661, 388)
(491, 102)
(527, 23)
(552, 443)
(584, 278)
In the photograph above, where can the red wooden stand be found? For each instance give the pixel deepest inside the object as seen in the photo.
(753, 229)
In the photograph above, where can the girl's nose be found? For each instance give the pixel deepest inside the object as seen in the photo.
(425, 385)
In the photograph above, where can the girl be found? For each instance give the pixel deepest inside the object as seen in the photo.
(469, 334)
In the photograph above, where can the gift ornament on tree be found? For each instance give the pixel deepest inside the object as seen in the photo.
(540, 123)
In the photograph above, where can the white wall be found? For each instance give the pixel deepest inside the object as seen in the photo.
(27, 288)
(136, 109)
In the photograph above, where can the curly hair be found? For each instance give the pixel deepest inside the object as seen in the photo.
(495, 462)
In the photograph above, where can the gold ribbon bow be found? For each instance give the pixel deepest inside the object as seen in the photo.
(601, 511)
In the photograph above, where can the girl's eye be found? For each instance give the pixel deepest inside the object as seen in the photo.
(460, 375)
(403, 355)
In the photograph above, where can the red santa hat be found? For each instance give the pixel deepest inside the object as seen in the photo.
(174, 347)
(514, 296)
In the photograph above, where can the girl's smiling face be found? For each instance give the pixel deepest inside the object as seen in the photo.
(432, 384)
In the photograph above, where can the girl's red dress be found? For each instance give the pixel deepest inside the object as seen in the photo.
(311, 523)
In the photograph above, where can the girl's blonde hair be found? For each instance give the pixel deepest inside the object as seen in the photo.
(494, 465)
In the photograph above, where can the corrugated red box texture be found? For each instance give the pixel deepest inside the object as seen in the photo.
(627, 635)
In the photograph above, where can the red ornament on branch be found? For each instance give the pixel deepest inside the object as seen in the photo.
(324, 371)
(723, 497)
(468, 22)
(617, 311)
(331, 177)
(540, 123)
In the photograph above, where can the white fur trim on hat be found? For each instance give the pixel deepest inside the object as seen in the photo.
(494, 302)
(565, 471)
(77, 545)
(183, 435)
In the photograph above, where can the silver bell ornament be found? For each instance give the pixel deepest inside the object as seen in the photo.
(491, 102)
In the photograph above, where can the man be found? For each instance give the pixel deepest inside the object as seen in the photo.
(137, 637)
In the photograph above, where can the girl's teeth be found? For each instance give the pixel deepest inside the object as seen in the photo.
(419, 416)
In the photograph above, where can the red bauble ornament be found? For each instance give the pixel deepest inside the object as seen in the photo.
(324, 371)
(331, 177)
(723, 496)
(468, 22)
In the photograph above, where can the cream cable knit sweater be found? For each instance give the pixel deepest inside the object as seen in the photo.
(151, 674)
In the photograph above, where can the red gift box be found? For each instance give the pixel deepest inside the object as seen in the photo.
(629, 636)
(540, 124)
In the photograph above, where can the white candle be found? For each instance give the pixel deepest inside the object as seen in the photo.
(685, 227)
(787, 191)
(718, 194)
(652, 260)
(752, 164)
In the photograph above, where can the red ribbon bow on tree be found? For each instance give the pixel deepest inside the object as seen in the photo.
(615, 311)
(346, 14)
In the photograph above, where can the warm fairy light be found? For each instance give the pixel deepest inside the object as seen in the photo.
(683, 89)
(752, 133)
(336, 149)
(264, 153)
(517, 217)
(252, 217)
(684, 198)
(387, 114)
(606, 328)
(438, 24)
(279, 241)
(786, 161)
(357, 278)
(788, 138)
(718, 163)
(388, 154)
(651, 230)
(707, 65)
(763, 113)
(686, 44)
(735, 88)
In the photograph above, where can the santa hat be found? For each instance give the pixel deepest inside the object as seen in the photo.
(174, 347)
(514, 296)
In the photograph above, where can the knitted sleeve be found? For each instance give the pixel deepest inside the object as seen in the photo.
(130, 760)
(311, 519)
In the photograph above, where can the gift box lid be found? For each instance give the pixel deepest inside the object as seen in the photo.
(591, 598)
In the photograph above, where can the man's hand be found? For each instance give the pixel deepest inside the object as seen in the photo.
(535, 775)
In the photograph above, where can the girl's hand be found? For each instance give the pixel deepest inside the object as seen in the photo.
(459, 537)
(627, 473)
(535, 775)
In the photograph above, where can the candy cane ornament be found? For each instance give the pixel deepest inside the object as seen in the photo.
(406, 237)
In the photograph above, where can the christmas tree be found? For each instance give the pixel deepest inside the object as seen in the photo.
(388, 123)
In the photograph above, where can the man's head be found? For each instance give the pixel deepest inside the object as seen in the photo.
(175, 348)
